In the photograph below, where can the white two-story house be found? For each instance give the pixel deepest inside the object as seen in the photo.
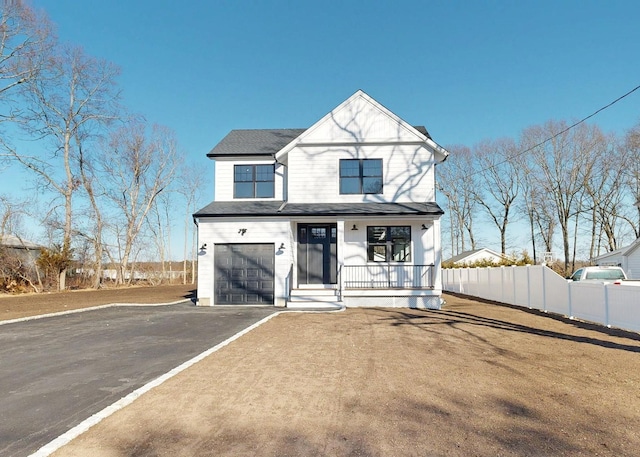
(342, 213)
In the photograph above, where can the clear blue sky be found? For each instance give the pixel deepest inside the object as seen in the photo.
(467, 70)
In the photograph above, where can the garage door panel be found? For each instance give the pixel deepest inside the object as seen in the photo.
(244, 273)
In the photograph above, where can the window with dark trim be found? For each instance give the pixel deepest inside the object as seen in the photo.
(253, 181)
(361, 176)
(389, 243)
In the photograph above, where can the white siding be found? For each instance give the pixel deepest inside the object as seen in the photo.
(407, 173)
(360, 118)
(613, 258)
(633, 264)
(265, 231)
(355, 241)
(224, 178)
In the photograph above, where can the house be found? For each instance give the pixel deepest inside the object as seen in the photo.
(340, 213)
(25, 251)
(628, 258)
(476, 255)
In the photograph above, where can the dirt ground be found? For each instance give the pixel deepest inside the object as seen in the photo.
(16, 306)
(474, 379)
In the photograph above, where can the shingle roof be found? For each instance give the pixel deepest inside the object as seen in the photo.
(11, 241)
(465, 254)
(263, 141)
(279, 208)
(254, 142)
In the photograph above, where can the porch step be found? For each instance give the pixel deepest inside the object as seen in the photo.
(314, 298)
(311, 304)
(316, 292)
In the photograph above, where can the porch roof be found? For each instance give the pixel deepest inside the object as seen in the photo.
(279, 208)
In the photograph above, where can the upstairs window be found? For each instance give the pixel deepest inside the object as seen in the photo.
(253, 181)
(361, 176)
(389, 244)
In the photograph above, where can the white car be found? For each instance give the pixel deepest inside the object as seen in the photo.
(615, 275)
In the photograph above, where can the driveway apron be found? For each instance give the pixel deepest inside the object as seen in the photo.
(57, 371)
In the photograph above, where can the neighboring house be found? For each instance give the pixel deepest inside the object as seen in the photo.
(15, 247)
(628, 258)
(342, 212)
(476, 255)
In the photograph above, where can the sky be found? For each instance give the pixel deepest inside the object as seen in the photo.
(467, 70)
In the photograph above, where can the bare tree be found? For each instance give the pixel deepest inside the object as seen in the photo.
(94, 234)
(189, 185)
(563, 163)
(159, 222)
(138, 168)
(631, 177)
(533, 206)
(605, 194)
(74, 95)
(25, 41)
(501, 186)
(457, 181)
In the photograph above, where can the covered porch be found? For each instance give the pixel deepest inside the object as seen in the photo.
(358, 262)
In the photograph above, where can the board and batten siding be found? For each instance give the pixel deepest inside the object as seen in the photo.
(211, 232)
(224, 176)
(314, 173)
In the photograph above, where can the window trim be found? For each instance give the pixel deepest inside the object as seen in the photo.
(361, 177)
(388, 244)
(254, 179)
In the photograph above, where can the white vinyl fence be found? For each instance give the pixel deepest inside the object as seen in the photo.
(539, 287)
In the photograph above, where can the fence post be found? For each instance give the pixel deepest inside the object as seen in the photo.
(570, 298)
(513, 278)
(502, 283)
(544, 290)
(529, 286)
(606, 305)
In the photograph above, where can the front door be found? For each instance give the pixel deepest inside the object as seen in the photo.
(317, 254)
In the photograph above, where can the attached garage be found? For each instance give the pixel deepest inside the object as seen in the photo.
(244, 274)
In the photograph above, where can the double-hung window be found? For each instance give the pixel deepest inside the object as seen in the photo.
(361, 176)
(253, 181)
(389, 243)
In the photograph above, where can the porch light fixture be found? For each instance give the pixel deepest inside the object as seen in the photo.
(424, 227)
(242, 231)
(355, 227)
(203, 247)
(281, 248)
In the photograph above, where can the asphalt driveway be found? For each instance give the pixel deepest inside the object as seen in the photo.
(56, 372)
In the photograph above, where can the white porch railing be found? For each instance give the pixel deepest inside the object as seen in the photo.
(384, 276)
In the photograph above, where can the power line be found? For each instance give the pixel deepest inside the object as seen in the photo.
(560, 132)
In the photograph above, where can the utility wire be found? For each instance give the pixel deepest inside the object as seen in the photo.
(559, 133)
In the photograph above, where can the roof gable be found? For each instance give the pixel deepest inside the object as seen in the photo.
(475, 254)
(632, 247)
(360, 119)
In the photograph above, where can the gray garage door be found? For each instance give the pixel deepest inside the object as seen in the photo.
(244, 274)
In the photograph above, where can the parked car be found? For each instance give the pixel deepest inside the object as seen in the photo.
(607, 274)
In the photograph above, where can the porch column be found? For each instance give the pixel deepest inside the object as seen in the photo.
(340, 248)
(437, 254)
